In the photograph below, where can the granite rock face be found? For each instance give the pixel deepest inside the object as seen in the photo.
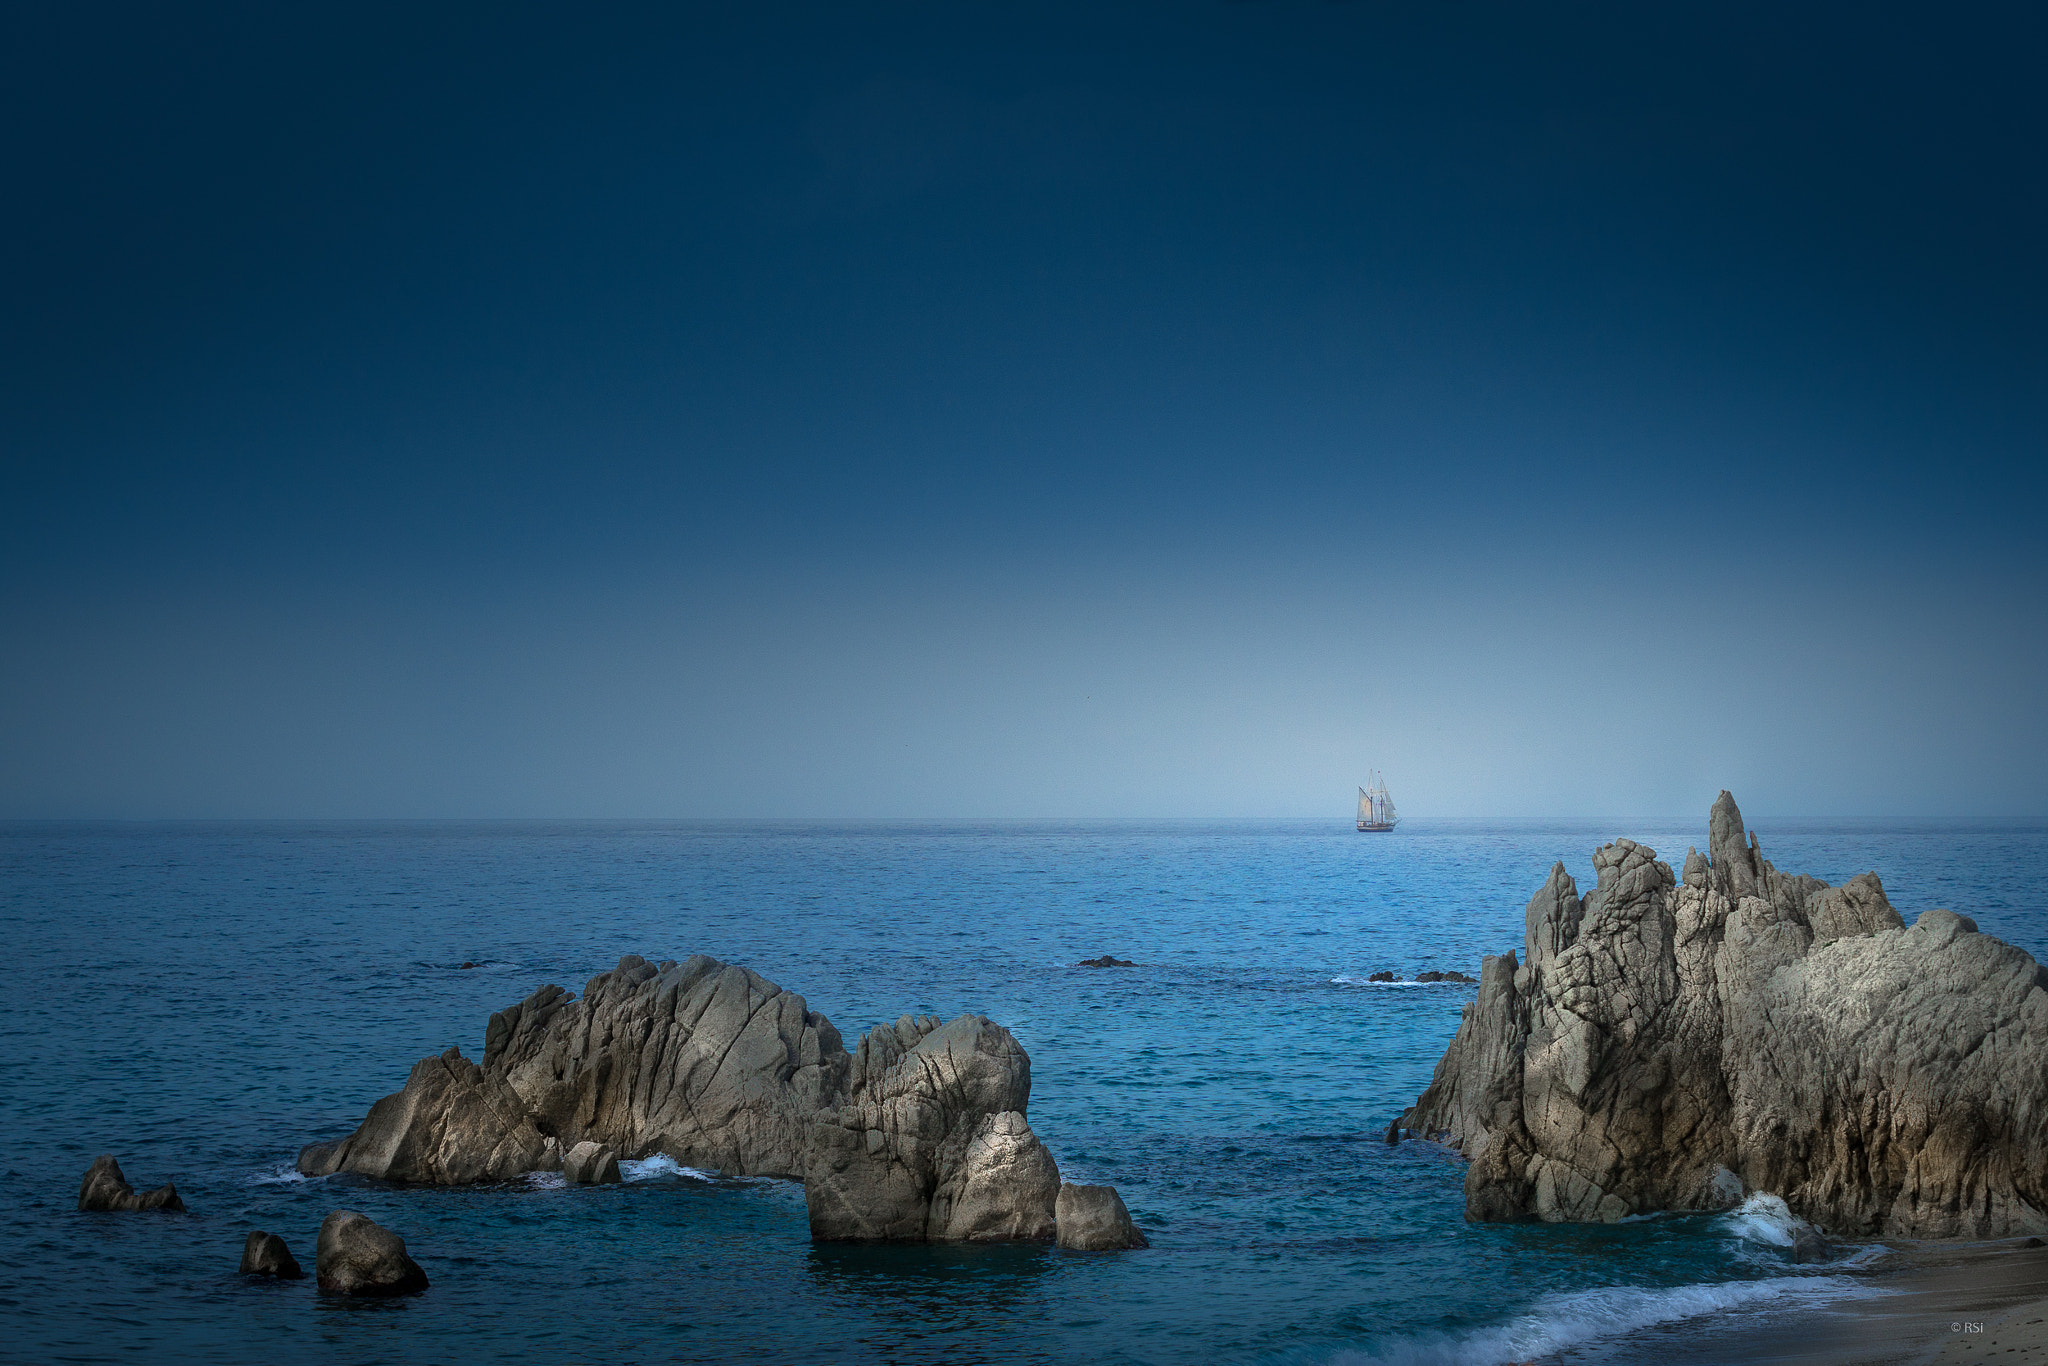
(919, 1134)
(1675, 1040)
(264, 1254)
(451, 1125)
(712, 1064)
(931, 1143)
(1093, 1219)
(357, 1256)
(590, 1163)
(104, 1188)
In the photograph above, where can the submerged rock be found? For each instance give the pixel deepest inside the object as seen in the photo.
(1093, 1219)
(590, 1163)
(1671, 1041)
(1106, 962)
(931, 1143)
(104, 1188)
(264, 1254)
(357, 1256)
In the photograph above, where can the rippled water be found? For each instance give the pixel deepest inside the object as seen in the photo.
(200, 1000)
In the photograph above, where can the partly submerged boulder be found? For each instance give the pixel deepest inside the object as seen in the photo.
(264, 1254)
(1671, 1041)
(104, 1188)
(1093, 1219)
(931, 1143)
(451, 1125)
(357, 1256)
(590, 1163)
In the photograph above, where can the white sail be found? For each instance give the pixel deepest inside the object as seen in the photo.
(1376, 805)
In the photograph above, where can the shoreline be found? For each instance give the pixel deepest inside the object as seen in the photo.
(1934, 1303)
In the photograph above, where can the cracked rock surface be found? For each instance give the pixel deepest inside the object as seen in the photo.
(918, 1134)
(1676, 1040)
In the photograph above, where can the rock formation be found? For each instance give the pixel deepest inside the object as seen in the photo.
(264, 1254)
(104, 1188)
(931, 1142)
(357, 1256)
(918, 1134)
(451, 1125)
(1093, 1219)
(590, 1164)
(1106, 961)
(1674, 1041)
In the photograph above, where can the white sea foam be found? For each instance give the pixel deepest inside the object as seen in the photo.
(1361, 982)
(1560, 1322)
(282, 1175)
(661, 1167)
(1764, 1218)
(546, 1181)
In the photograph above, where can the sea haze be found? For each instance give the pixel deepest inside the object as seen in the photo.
(201, 999)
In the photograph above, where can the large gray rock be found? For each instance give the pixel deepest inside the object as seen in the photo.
(104, 1188)
(357, 1256)
(1093, 1219)
(919, 1135)
(712, 1064)
(931, 1143)
(590, 1163)
(1672, 1041)
(451, 1125)
(264, 1254)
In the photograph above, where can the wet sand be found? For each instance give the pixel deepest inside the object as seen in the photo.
(1937, 1303)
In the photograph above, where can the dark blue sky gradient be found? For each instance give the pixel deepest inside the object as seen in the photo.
(1103, 409)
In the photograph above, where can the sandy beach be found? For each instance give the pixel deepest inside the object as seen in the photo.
(1932, 1303)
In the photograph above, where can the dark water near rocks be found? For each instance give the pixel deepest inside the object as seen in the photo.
(202, 999)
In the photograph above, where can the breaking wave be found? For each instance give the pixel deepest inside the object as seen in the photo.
(1561, 1322)
(1764, 1218)
(661, 1167)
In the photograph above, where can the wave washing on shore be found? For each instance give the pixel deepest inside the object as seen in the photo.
(208, 998)
(1558, 1323)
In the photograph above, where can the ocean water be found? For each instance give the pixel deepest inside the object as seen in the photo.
(200, 1000)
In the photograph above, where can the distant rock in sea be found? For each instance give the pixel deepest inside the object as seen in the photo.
(104, 1188)
(1383, 975)
(1677, 1041)
(358, 1256)
(918, 1135)
(1106, 962)
(1093, 1219)
(264, 1254)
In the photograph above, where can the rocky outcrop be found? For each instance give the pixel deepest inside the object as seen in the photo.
(452, 1124)
(1676, 1040)
(712, 1064)
(264, 1254)
(590, 1164)
(104, 1188)
(357, 1256)
(931, 1142)
(919, 1134)
(1093, 1219)
(1106, 961)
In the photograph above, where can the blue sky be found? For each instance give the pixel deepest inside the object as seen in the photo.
(1034, 410)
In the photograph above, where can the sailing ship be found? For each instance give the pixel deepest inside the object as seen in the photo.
(1376, 806)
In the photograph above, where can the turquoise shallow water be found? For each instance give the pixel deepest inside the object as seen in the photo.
(202, 999)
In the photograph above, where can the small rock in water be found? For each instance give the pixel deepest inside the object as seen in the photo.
(1107, 962)
(1383, 977)
(1393, 1131)
(2034, 1242)
(1461, 977)
(1808, 1246)
(590, 1163)
(467, 966)
(1429, 976)
(266, 1255)
(104, 1188)
(357, 1256)
(1093, 1219)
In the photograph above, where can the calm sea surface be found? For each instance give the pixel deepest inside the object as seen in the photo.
(200, 1000)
